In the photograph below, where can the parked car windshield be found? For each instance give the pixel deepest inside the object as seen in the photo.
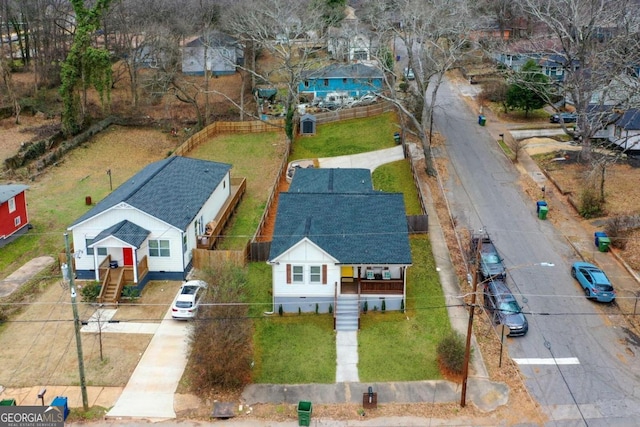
(490, 259)
(509, 307)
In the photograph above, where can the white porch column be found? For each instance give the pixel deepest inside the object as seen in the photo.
(135, 265)
(95, 264)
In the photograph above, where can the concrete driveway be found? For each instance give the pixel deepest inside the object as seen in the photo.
(149, 394)
(370, 160)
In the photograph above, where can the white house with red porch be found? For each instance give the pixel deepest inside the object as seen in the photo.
(147, 228)
(14, 219)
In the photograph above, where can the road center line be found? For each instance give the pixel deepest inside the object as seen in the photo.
(548, 361)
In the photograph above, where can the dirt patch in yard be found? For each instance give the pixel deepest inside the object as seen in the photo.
(38, 348)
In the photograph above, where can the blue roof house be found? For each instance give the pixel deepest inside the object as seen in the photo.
(149, 225)
(355, 79)
(337, 241)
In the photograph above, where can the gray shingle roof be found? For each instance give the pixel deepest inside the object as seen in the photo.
(11, 190)
(630, 120)
(126, 231)
(335, 71)
(368, 228)
(331, 181)
(172, 190)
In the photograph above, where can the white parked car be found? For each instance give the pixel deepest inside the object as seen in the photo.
(185, 304)
(408, 73)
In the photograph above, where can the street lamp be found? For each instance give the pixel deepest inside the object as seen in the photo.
(472, 308)
(69, 274)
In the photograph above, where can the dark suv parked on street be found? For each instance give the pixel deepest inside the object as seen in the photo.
(503, 308)
(490, 262)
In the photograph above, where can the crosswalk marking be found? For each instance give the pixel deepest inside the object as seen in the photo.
(548, 361)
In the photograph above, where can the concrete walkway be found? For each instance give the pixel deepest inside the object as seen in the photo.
(24, 274)
(347, 356)
(370, 160)
(149, 394)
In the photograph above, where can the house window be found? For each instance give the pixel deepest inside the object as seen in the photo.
(101, 251)
(306, 84)
(17, 221)
(559, 71)
(12, 204)
(184, 242)
(315, 274)
(159, 248)
(298, 274)
(344, 81)
(326, 82)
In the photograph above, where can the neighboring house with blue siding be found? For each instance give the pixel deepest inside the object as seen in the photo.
(354, 79)
(151, 222)
(336, 237)
(216, 52)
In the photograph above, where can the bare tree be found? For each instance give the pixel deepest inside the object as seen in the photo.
(221, 338)
(5, 74)
(290, 32)
(596, 45)
(436, 34)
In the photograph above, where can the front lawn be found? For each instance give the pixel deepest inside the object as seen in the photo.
(393, 346)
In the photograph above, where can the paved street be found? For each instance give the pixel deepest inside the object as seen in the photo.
(575, 364)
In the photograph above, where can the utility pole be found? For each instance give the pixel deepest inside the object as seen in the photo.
(76, 323)
(472, 309)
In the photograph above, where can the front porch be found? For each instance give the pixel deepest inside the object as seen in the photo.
(350, 286)
(113, 278)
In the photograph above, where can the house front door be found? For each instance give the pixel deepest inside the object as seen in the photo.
(127, 256)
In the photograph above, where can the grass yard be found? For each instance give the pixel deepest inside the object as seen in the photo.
(396, 177)
(386, 341)
(57, 197)
(256, 157)
(347, 137)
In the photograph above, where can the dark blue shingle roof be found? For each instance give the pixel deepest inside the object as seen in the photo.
(126, 231)
(368, 228)
(630, 120)
(172, 190)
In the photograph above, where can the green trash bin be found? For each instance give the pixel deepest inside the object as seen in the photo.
(542, 212)
(603, 244)
(482, 120)
(8, 402)
(304, 413)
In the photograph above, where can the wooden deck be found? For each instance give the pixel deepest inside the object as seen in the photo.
(217, 224)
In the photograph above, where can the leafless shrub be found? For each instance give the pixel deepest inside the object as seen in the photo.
(221, 353)
(619, 227)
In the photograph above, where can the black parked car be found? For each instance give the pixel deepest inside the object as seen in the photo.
(502, 306)
(566, 117)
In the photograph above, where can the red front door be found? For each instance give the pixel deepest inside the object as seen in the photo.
(127, 256)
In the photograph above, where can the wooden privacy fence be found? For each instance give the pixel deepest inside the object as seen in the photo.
(217, 128)
(354, 113)
(204, 258)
